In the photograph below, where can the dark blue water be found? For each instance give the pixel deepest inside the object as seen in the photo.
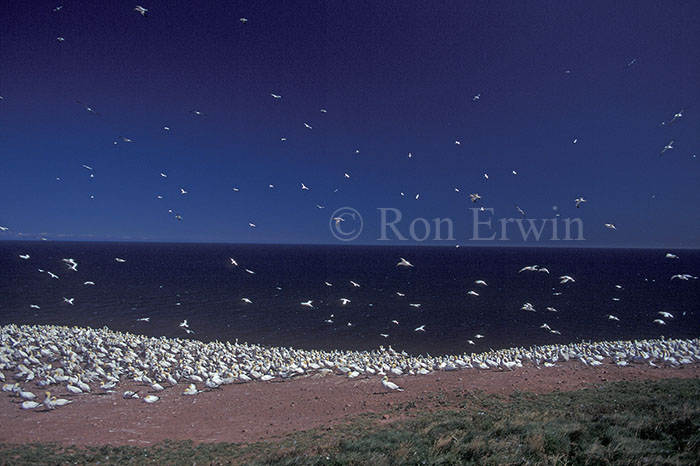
(172, 282)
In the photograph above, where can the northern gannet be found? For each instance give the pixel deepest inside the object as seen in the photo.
(666, 315)
(566, 279)
(276, 96)
(24, 256)
(390, 385)
(246, 300)
(141, 10)
(344, 301)
(404, 263)
(475, 197)
(120, 260)
(69, 301)
(579, 201)
(610, 226)
(668, 146)
(420, 329)
(308, 304)
(612, 317)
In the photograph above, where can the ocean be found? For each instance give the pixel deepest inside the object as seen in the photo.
(169, 283)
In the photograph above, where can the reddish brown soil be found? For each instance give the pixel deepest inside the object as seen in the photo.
(268, 410)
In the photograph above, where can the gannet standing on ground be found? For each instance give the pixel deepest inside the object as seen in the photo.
(390, 385)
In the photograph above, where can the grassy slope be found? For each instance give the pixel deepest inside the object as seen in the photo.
(617, 423)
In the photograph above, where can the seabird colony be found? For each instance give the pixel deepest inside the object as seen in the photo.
(81, 359)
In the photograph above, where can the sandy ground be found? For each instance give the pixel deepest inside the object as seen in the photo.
(268, 410)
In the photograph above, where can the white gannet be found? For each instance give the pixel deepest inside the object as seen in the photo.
(233, 261)
(551, 309)
(3, 228)
(125, 139)
(243, 20)
(250, 271)
(183, 191)
(130, 394)
(308, 304)
(344, 301)
(355, 284)
(521, 211)
(415, 304)
(246, 300)
(666, 315)
(304, 187)
(184, 324)
(30, 405)
(668, 256)
(190, 390)
(480, 282)
(395, 322)
(141, 10)
(659, 321)
(529, 268)
(528, 307)
(34, 306)
(476, 97)
(150, 399)
(668, 146)
(60, 39)
(404, 263)
(611, 226)
(684, 276)
(52, 275)
(478, 336)
(69, 301)
(677, 116)
(276, 96)
(390, 385)
(251, 225)
(328, 283)
(473, 293)
(24, 256)
(143, 319)
(420, 329)
(120, 260)
(398, 293)
(308, 126)
(88, 283)
(475, 197)
(579, 201)
(612, 317)
(566, 279)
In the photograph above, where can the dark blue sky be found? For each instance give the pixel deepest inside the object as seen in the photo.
(394, 77)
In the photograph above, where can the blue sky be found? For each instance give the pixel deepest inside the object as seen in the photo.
(393, 77)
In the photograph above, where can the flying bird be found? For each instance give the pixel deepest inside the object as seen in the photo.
(308, 304)
(579, 201)
(307, 125)
(475, 197)
(630, 63)
(668, 146)
(24, 256)
(404, 263)
(276, 96)
(420, 329)
(677, 116)
(141, 10)
(611, 226)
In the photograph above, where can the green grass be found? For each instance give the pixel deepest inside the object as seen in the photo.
(617, 423)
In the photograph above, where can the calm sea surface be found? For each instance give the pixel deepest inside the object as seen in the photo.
(197, 282)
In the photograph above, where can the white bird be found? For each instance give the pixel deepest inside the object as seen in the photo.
(250, 271)
(344, 301)
(543, 269)
(328, 283)
(396, 322)
(120, 260)
(475, 197)
(476, 97)
(611, 226)
(251, 225)
(308, 126)
(141, 10)
(390, 385)
(304, 187)
(667, 315)
(150, 399)
(60, 39)
(52, 275)
(34, 306)
(551, 309)
(24, 256)
(480, 282)
(30, 405)
(478, 336)
(684, 276)
(233, 261)
(612, 317)
(4, 229)
(528, 307)
(545, 326)
(659, 321)
(89, 283)
(529, 268)
(566, 279)
(58, 8)
(415, 304)
(184, 324)
(420, 329)
(276, 96)
(668, 146)
(190, 390)
(69, 301)
(354, 284)
(473, 293)
(404, 263)
(308, 304)
(677, 116)
(130, 394)
(398, 293)
(668, 256)
(385, 335)
(125, 139)
(183, 191)
(579, 201)
(246, 300)
(143, 319)
(243, 20)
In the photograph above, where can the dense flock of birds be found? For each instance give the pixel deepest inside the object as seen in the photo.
(73, 361)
